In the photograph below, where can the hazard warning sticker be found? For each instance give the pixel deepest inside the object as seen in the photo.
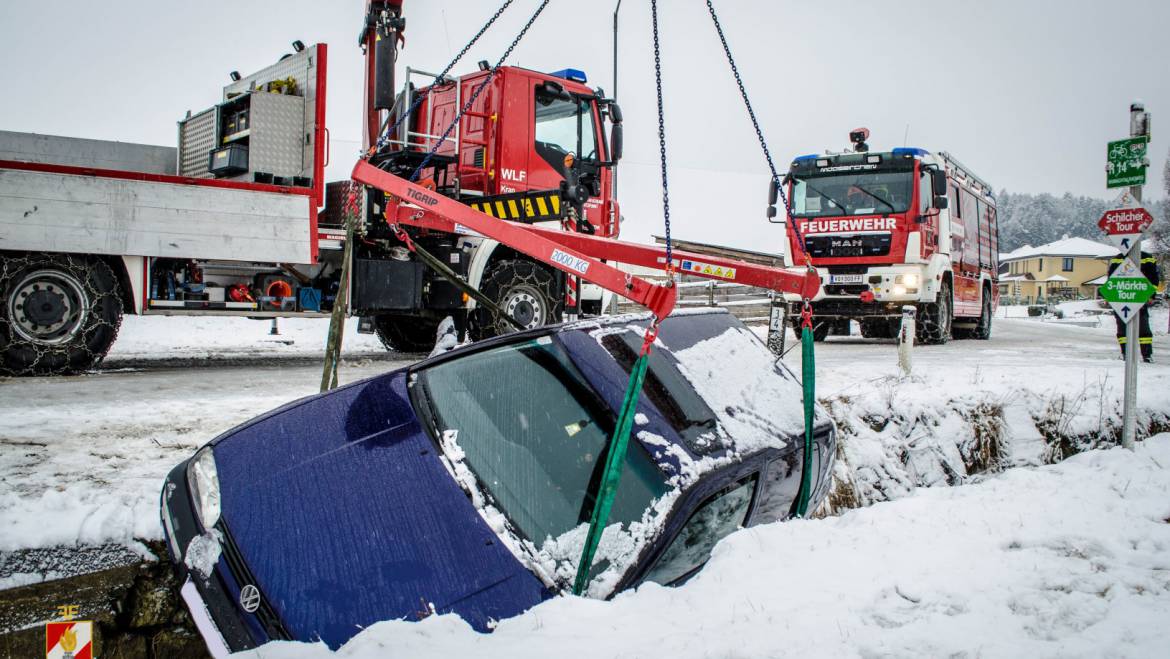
(708, 269)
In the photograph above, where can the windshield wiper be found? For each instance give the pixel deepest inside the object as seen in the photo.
(823, 194)
(866, 191)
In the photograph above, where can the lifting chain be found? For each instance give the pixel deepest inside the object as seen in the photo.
(759, 134)
(662, 138)
(808, 363)
(478, 90)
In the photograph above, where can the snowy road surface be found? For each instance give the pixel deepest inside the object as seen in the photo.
(1064, 560)
(89, 452)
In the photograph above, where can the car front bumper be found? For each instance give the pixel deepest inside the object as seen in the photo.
(209, 598)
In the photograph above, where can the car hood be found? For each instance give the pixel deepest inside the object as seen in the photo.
(379, 529)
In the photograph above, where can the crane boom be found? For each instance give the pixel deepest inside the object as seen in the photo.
(577, 254)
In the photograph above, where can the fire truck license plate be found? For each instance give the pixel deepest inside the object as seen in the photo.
(846, 279)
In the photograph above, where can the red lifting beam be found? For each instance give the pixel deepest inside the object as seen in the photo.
(658, 299)
(578, 253)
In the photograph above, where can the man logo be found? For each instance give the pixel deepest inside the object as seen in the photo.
(249, 598)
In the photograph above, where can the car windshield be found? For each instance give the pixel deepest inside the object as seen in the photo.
(852, 194)
(533, 432)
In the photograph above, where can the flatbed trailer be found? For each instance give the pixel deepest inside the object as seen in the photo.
(93, 229)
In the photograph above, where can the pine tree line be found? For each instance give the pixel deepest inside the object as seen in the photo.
(1036, 219)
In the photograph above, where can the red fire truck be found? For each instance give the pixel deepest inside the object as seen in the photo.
(896, 228)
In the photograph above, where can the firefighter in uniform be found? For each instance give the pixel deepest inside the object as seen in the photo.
(1146, 337)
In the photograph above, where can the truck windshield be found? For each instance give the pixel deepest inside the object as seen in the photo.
(533, 432)
(852, 194)
(564, 126)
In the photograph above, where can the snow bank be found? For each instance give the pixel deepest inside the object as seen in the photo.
(900, 434)
(1036, 393)
(1063, 560)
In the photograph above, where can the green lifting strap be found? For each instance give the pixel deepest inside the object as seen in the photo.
(808, 375)
(615, 460)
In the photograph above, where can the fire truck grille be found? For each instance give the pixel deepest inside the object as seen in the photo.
(845, 289)
(870, 244)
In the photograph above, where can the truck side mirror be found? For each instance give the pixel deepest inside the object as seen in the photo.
(938, 181)
(941, 202)
(615, 112)
(773, 192)
(615, 142)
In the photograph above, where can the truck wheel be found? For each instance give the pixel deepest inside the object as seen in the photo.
(982, 331)
(406, 333)
(524, 290)
(934, 319)
(60, 313)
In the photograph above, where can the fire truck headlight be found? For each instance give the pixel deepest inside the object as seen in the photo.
(899, 290)
(203, 478)
(911, 280)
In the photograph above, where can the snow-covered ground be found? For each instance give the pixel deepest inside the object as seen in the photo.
(1069, 559)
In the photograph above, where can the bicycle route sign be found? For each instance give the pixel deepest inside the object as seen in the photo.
(1126, 162)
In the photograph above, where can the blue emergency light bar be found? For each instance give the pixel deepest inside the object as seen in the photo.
(576, 75)
(910, 151)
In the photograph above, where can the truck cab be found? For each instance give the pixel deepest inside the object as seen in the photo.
(528, 146)
(891, 229)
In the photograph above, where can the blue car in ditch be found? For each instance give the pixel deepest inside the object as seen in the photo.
(464, 484)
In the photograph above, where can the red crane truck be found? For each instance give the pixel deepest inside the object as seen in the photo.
(895, 228)
(238, 221)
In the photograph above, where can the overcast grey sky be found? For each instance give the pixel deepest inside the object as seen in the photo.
(1025, 92)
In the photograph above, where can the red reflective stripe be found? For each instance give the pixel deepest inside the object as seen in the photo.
(152, 178)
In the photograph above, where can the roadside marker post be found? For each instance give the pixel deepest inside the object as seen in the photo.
(906, 340)
(1126, 289)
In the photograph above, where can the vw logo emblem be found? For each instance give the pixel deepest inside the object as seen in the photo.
(250, 598)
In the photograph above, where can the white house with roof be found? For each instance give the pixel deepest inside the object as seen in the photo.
(1069, 268)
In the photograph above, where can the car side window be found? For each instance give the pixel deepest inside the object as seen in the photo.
(717, 518)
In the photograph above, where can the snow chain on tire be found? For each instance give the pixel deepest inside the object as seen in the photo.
(59, 314)
(502, 278)
(932, 328)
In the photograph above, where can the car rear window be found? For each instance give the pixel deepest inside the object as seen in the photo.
(533, 432)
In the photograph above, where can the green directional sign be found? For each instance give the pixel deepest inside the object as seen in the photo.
(1128, 290)
(1126, 164)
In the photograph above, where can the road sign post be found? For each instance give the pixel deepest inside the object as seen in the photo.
(1126, 166)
